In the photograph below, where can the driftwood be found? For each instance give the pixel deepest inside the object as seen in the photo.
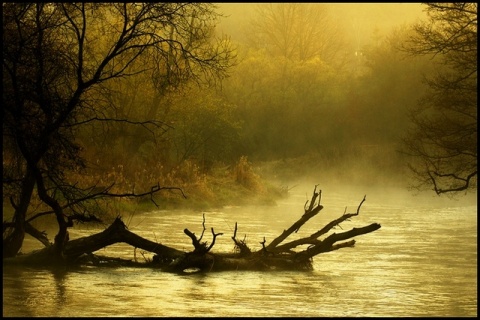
(277, 255)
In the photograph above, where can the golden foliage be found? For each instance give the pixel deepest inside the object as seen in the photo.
(244, 175)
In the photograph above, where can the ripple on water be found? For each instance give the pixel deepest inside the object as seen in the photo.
(422, 262)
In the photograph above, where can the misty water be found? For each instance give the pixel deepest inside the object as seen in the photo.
(422, 262)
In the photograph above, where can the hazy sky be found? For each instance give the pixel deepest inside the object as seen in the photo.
(359, 18)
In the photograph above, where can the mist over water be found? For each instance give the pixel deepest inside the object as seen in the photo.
(422, 262)
(331, 120)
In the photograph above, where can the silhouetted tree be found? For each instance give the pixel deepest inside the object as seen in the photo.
(57, 60)
(443, 141)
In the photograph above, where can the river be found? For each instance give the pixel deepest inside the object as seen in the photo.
(422, 262)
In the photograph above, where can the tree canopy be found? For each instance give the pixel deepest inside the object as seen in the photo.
(58, 61)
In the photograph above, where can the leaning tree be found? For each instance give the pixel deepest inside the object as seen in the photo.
(57, 61)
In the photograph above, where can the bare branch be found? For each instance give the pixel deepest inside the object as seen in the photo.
(309, 213)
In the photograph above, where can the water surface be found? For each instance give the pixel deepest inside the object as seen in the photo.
(422, 262)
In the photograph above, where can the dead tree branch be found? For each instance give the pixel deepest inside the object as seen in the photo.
(240, 244)
(270, 257)
(312, 210)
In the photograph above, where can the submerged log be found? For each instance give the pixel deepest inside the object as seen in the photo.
(117, 232)
(277, 255)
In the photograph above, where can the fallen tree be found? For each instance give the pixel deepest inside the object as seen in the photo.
(279, 254)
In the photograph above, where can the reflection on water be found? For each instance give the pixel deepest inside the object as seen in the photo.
(422, 262)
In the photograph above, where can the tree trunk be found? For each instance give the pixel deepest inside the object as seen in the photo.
(117, 232)
(13, 236)
(274, 256)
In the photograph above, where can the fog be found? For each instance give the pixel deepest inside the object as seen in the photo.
(162, 115)
(280, 93)
(360, 20)
(342, 119)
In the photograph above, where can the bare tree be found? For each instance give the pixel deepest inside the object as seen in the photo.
(57, 59)
(443, 140)
(297, 31)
